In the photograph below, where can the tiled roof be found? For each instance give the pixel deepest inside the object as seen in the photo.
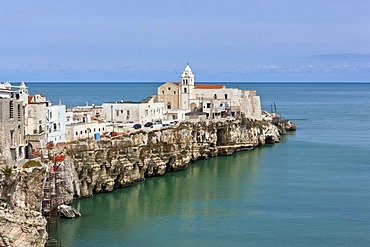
(209, 86)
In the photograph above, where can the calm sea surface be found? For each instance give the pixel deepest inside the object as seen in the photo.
(312, 189)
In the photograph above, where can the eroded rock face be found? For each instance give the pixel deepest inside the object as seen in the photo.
(101, 166)
(21, 221)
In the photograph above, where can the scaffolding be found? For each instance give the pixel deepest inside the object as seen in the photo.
(51, 201)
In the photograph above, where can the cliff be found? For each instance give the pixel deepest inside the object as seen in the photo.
(21, 221)
(100, 166)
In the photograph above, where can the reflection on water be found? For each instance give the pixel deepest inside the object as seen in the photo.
(185, 195)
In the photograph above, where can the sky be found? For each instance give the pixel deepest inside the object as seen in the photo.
(145, 40)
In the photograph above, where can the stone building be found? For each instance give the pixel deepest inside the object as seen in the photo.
(215, 100)
(13, 105)
(37, 121)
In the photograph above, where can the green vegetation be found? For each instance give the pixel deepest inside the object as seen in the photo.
(7, 171)
(32, 163)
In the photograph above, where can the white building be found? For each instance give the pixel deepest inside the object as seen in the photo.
(215, 100)
(56, 124)
(149, 109)
(37, 121)
(84, 123)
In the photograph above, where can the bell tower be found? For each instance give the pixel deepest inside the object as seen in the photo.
(186, 88)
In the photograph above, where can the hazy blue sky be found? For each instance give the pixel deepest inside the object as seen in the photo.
(236, 40)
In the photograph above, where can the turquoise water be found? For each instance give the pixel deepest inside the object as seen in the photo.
(312, 189)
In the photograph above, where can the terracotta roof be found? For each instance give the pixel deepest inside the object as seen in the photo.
(208, 86)
(30, 99)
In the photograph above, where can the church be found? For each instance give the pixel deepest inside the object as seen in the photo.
(211, 101)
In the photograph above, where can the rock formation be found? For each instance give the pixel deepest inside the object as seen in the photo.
(68, 211)
(101, 166)
(21, 221)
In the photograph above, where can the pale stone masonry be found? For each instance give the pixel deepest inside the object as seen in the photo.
(13, 147)
(215, 101)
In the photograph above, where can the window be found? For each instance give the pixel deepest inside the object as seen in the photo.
(163, 92)
(128, 113)
(85, 131)
(19, 112)
(11, 137)
(174, 92)
(169, 88)
(208, 105)
(81, 132)
(185, 90)
(225, 95)
(11, 109)
(55, 126)
(122, 111)
(117, 112)
(168, 105)
(76, 133)
(215, 96)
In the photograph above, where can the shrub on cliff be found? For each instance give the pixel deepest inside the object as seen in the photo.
(32, 163)
(7, 171)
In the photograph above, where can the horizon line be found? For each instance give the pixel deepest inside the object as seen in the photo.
(290, 81)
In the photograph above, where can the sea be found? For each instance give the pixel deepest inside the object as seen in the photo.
(311, 189)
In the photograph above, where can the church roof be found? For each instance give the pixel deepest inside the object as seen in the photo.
(187, 68)
(209, 86)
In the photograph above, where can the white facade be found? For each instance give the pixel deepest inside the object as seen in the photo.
(186, 88)
(56, 124)
(83, 123)
(134, 112)
(37, 121)
(77, 131)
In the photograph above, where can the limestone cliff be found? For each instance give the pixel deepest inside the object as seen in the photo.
(21, 221)
(101, 166)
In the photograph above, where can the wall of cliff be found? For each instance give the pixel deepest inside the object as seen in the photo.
(100, 166)
(21, 221)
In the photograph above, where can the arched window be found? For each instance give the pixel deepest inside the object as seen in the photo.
(185, 90)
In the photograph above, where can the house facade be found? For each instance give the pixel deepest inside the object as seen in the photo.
(84, 123)
(13, 107)
(147, 110)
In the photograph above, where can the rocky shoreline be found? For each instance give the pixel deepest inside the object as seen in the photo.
(93, 167)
